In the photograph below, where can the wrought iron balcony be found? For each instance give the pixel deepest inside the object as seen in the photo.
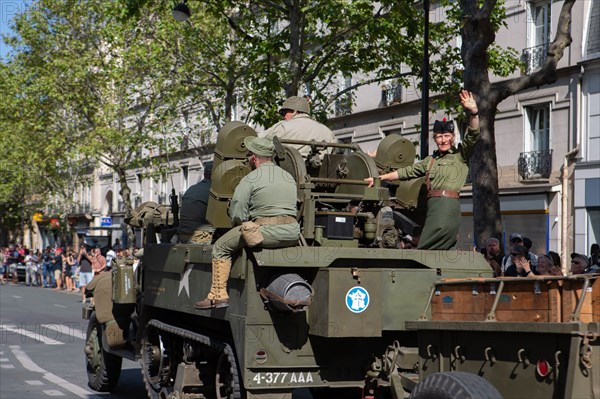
(391, 94)
(535, 165)
(534, 57)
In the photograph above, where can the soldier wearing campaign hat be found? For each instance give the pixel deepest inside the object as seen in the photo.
(298, 125)
(266, 197)
(446, 172)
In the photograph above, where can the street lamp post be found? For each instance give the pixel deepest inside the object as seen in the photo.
(425, 85)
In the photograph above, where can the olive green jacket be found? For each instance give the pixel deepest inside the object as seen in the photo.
(450, 169)
(266, 191)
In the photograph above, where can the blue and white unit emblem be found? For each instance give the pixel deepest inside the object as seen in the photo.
(357, 299)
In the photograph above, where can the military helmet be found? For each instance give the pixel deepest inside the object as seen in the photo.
(296, 103)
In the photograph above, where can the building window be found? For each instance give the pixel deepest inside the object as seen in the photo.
(538, 34)
(593, 226)
(162, 194)
(185, 178)
(538, 137)
(536, 161)
(343, 104)
(391, 93)
(139, 191)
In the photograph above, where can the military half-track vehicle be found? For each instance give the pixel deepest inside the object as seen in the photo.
(326, 316)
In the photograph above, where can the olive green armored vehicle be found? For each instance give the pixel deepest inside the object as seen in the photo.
(326, 318)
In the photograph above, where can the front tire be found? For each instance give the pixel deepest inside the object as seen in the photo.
(455, 384)
(103, 368)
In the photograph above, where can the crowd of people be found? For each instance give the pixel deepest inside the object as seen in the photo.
(59, 268)
(521, 261)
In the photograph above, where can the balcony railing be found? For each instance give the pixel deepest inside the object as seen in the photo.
(534, 57)
(535, 165)
(391, 94)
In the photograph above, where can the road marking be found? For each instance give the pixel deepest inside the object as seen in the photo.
(70, 331)
(18, 297)
(34, 382)
(53, 392)
(60, 306)
(27, 363)
(6, 366)
(29, 334)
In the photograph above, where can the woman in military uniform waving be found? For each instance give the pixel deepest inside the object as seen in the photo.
(445, 172)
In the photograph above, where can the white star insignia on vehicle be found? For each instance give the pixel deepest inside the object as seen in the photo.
(184, 283)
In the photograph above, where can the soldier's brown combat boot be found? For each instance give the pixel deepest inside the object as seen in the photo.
(217, 297)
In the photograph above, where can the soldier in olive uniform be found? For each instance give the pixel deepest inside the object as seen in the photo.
(447, 171)
(193, 226)
(298, 125)
(267, 196)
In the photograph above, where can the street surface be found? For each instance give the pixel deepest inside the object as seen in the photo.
(42, 337)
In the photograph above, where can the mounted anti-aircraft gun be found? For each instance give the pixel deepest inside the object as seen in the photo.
(326, 314)
(335, 206)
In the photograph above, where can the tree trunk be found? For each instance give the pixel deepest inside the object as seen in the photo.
(487, 220)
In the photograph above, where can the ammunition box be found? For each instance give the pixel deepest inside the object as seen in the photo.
(338, 225)
(123, 281)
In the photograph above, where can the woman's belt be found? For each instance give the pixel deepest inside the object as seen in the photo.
(443, 193)
(275, 220)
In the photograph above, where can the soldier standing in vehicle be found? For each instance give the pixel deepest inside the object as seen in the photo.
(266, 196)
(446, 172)
(192, 216)
(298, 125)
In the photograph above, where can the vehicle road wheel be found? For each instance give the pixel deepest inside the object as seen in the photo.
(455, 384)
(103, 368)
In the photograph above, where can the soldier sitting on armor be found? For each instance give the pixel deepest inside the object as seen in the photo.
(192, 217)
(267, 197)
(446, 172)
(298, 125)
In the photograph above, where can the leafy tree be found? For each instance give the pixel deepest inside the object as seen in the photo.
(478, 54)
(106, 72)
(471, 67)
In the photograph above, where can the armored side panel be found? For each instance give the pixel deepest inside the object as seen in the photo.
(356, 311)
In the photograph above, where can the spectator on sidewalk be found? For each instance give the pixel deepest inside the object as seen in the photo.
(533, 258)
(3, 260)
(493, 255)
(30, 269)
(111, 255)
(98, 261)
(57, 266)
(47, 267)
(579, 263)
(86, 273)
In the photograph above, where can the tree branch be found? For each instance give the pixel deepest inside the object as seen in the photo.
(547, 73)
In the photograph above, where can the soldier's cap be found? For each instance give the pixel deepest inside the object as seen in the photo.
(208, 166)
(259, 146)
(583, 258)
(443, 126)
(296, 103)
(516, 237)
